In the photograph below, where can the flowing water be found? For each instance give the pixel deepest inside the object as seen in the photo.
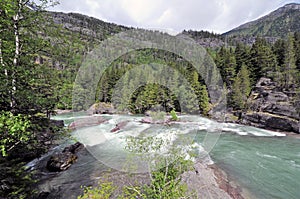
(264, 162)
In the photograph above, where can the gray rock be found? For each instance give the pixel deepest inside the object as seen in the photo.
(62, 161)
(273, 122)
(84, 122)
(102, 108)
(271, 108)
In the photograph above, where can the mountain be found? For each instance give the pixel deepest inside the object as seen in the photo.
(205, 38)
(86, 27)
(276, 24)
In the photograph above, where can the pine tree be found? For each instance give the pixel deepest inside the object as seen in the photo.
(226, 62)
(290, 73)
(241, 89)
(297, 49)
(241, 55)
(263, 61)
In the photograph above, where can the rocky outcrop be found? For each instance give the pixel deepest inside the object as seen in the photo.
(62, 161)
(269, 121)
(271, 108)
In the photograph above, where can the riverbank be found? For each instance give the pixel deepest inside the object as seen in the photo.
(208, 181)
(229, 149)
(204, 181)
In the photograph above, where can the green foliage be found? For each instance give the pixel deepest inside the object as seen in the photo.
(174, 116)
(158, 115)
(166, 181)
(263, 60)
(26, 83)
(166, 169)
(290, 72)
(103, 191)
(241, 89)
(226, 62)
(165, 177)
(16, 182)
(147, 64)
(277, 24)
(14, 131)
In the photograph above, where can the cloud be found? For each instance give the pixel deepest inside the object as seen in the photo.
(177, 15)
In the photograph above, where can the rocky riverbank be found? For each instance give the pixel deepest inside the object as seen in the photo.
(204, 181)
(271, 107)
(14, 179)
(209, 181)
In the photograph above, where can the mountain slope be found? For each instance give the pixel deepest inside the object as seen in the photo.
(276, 24)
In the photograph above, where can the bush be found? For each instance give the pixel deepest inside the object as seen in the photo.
(14, 131)
(102, 191)
(157, 115)
(174, 116)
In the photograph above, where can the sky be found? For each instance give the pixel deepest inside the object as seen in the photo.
(174, 16)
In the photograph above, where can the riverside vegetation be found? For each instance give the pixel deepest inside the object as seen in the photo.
(41, 52)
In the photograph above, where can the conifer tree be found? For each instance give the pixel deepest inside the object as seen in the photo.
(226, 62)
(241, 89)
(263, 61)
(290, 73)
(241, 55)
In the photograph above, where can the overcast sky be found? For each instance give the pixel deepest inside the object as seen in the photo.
(174, 15)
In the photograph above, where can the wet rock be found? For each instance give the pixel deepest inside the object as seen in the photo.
(273, 122)
(58, 123)
(43, 195)
(119, 126)
(84, 122)
(62, 161)
(149, 120)
(74, 148)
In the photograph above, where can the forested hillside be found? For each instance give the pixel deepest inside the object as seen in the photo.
(276, 24)
(67, 38)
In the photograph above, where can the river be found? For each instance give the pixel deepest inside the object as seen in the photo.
(265, 163)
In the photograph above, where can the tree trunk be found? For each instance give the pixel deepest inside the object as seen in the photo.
(16, 20)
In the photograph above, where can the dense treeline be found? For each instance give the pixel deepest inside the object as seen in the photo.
(242, 66)
(149, 64)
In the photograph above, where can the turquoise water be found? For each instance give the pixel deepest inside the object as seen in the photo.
(267, 165)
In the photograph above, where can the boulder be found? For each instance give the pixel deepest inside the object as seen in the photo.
(58, 123)
(63, 160)
(119, 126)
(102, 108)
(73, 148)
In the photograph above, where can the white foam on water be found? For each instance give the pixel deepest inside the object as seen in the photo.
(266, 155)
(248, 130)
(293, 163)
